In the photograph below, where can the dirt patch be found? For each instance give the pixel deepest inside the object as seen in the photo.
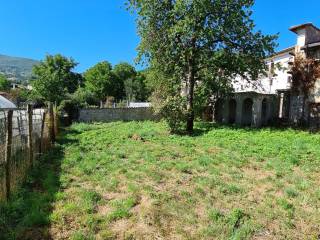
(145, 203)
(121, 228)
(137, 137)
(260, 185)
(35, 234)
(103, 210)
(114, 195)
(253, 172)
(63, 231)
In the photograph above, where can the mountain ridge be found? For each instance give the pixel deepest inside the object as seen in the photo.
(17, 69)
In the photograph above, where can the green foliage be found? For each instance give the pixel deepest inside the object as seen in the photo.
(173, 111)
(132, 82)
(20, 95)
(30, 206)
(53, 78)
(4, 83)
(101, 81)
(124, 72)
(136, 89)
(83, 97)
(200, 41)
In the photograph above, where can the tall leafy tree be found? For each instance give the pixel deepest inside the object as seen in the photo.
(4, 83)
(54, 78)
(131, 82)
(124, 72)
(184, 40)
(136, 89)
(101, 80)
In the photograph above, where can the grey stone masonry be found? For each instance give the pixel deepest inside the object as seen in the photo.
(258, 111)
(116, 114)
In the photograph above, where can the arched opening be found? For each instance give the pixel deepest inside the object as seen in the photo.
(247, 112)
(218, 111)
(232, 111)
(207, 114)
(264, 112)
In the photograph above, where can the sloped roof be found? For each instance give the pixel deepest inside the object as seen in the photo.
(5, 103)
(298, 27)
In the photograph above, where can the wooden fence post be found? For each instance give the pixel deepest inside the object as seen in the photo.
(30, 126)
(43, 122)
(8, 153)
(51, 123)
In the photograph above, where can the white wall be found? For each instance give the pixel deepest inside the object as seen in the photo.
(268, 84)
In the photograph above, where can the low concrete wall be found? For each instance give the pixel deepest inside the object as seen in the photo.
(116, 114)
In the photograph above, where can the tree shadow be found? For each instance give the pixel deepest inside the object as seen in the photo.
(202, 128)
(27, 215)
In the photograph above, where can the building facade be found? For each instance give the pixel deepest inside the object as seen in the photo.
(263, 101)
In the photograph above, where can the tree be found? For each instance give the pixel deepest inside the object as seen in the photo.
(124, 72)
(101, 80)
(135, 88)
(54, 78)
(305, 72)
(187, 39)
(4, 83)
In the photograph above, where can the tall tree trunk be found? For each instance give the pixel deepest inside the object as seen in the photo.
(190, 97)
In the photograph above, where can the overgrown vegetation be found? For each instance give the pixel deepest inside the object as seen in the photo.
(305, 72)
(4, 83)
(137, 181)
(200, 42)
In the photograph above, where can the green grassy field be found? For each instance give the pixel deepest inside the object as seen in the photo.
(136, 181)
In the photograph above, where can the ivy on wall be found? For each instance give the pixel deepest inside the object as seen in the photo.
(305, 72)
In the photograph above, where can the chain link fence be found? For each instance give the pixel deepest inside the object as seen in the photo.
(24, 135)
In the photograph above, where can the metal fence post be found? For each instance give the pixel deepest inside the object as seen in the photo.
(8, 153)
(30, 126)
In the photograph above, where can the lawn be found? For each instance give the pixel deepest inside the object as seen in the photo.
(136, 181)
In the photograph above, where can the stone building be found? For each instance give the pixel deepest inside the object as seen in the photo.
(261, 102)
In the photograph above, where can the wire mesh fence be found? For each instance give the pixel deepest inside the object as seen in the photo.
(24, 136)
(2, 154)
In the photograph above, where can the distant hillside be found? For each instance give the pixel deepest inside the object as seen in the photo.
(16, 69)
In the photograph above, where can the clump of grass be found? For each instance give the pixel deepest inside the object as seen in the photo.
(122, 208)
(235, 225)
(229, 189)
(291, 192)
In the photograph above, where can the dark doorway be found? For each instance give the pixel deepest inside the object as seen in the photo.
(232, 111)
(264, 112)
(218, 111)
(247, 112)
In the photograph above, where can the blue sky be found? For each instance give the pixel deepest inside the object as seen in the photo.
(94, 30)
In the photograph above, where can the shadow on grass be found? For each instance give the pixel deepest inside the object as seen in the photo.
(202, 128)
(27, 215)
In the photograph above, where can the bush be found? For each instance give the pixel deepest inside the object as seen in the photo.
(70, 107)
(83, 98)
(173, 110)
(79, 99)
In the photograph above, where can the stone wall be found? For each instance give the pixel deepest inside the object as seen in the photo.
(296, 110)
(247, 109)
(314, 119)
(116, 114)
